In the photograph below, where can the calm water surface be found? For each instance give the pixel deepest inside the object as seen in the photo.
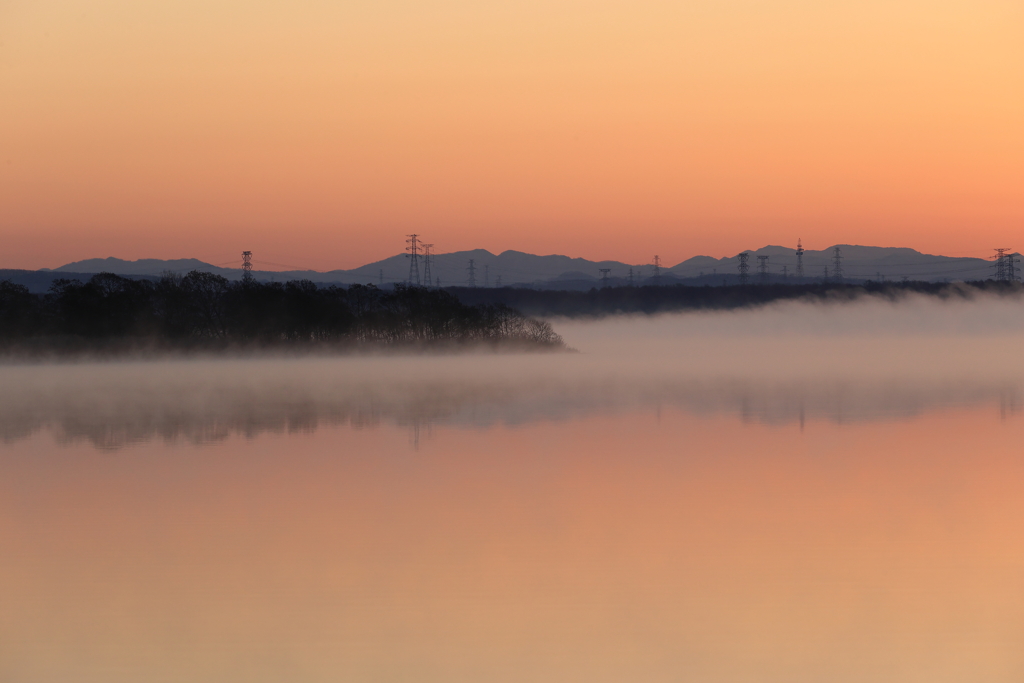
(270, 525)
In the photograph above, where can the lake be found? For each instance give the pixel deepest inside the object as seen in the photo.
(794, 493)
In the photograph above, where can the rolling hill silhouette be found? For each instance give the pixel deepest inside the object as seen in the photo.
(560, 272)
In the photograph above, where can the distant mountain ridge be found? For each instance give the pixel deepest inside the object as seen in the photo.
(556, 271)
(509, 267)
(857, 263)
(146, 266)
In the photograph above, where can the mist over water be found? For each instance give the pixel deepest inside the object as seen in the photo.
(789, 362)
(792, 493)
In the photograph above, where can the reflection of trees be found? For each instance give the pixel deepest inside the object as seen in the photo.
(111, 419)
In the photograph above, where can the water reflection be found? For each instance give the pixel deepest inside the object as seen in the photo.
(597, 550)
(783, 364)
(111, 406)
(647, 510)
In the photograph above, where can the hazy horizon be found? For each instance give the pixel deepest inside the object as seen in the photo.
(868, 359)
(667, 264)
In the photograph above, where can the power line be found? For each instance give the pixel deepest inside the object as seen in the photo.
(472, 273)
(948, 260)
(282, 265)
(604, 276)
(1004, 263)
(744, 267)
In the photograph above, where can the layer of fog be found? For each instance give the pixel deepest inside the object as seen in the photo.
(794, 361)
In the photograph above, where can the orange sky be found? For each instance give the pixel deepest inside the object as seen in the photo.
(318, 133)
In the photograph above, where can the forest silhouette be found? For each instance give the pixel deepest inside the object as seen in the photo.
(654, 299)
(205, 311)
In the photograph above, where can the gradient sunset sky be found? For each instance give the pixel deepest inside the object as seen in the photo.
(317, 134)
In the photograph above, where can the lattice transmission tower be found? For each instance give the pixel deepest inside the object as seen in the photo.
(762, 269)
(247, 267)
(744, 267)
(414, 259)
(837, 264)
(1006, 265)
(427, 258)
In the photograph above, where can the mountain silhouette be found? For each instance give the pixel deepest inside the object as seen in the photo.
(556, 271)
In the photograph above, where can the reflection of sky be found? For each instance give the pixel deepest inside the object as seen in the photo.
(604, 549)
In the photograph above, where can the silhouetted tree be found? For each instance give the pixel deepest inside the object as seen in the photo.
(20, 311)
(206, 309)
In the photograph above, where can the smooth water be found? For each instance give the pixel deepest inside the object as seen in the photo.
(793, 494)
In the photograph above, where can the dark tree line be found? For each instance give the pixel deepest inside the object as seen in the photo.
(203, 310)
(652, 299)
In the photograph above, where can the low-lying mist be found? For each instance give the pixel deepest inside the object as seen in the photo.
(869, 359)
